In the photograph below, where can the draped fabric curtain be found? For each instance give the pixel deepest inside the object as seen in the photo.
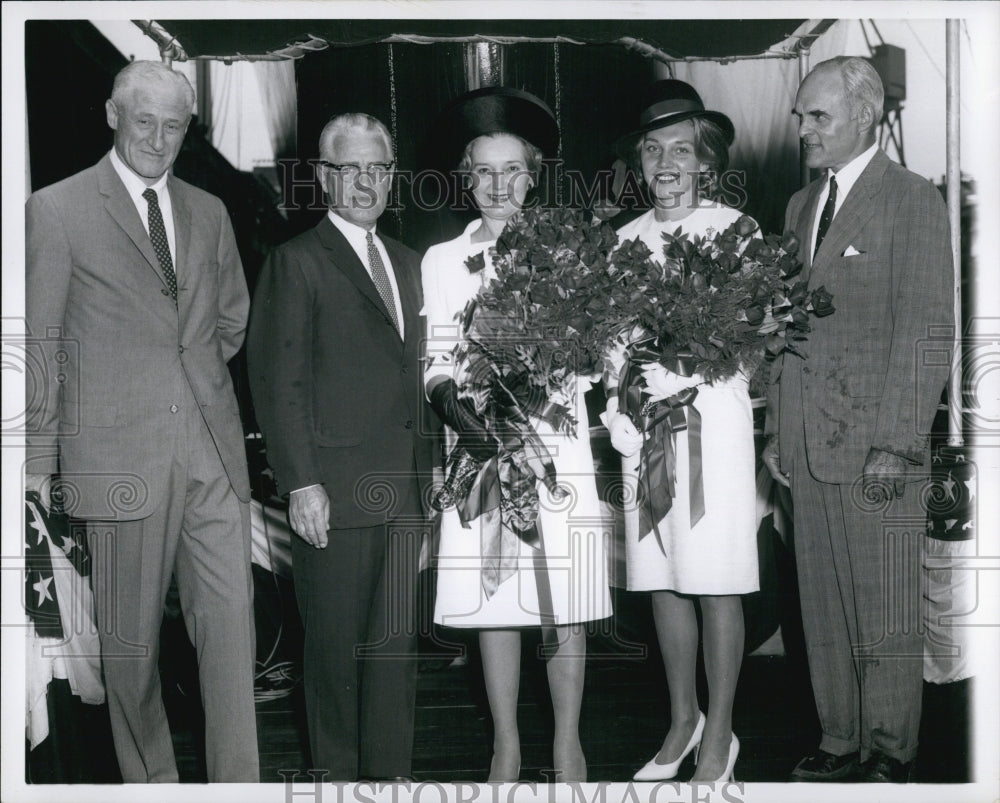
(277, 93)
(765, 150)
(591, 88)
(593, 91)
(241, 123)
(404, 86)
(766, 147)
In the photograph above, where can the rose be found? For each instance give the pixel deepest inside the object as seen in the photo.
(798, 294)
(822, 302)
(476, 263)
(790, 265)
(746, 226)
(789, 242)
(755, 315)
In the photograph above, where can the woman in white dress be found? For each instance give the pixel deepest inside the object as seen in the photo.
(681, 150)
(560, 582)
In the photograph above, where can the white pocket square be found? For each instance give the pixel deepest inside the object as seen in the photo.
(851, 251)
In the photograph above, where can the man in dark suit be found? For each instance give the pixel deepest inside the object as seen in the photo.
(136, 290)
(850, 424)
(337, 386)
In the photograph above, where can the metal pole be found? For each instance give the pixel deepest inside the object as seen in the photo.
(954, 181)
(803, 72)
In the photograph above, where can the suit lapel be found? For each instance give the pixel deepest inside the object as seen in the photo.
(346, 261)
(183, 222)
(853, 215)
(407, 294)
(123, 212)
(804, 225)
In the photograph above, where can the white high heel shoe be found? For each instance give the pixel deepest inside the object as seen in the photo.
(654, 771)
(734, 751)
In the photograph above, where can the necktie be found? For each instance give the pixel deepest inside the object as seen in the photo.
(827, 216)
(158, 234)
(381, 279)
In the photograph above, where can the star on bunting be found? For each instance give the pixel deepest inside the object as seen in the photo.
(42, 587)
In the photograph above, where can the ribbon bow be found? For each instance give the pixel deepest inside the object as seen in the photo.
(661, 421)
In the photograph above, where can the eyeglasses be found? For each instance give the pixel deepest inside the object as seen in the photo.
(379, 170)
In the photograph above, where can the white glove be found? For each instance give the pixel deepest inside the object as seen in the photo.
(661, 383)
(624, 436)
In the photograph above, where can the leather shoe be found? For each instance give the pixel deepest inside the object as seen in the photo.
(654, 771)
(880, 768)
(823, 766)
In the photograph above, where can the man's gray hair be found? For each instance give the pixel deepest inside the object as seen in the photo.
(862, 83)
(353, 121)
(148, 72)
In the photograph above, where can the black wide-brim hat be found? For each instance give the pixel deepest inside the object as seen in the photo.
(668, 102)
(491, 110)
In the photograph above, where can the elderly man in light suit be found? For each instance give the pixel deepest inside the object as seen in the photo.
(135, 276)
(850, 425)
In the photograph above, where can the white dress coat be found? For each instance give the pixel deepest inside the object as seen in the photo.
(719, 554)
(566, 579)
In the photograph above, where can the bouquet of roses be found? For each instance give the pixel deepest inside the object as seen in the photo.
(716, 305)
(526, 336)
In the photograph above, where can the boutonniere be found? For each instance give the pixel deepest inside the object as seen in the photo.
(476, 263)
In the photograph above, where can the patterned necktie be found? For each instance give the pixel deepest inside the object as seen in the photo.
(158, 234)
(827, 216)
(381, 279)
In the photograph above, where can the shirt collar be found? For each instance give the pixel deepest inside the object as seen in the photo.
(134, 185)
(848, 175)
(355, 234)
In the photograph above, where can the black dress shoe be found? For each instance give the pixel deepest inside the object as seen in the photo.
(823, 766)
(880, 768)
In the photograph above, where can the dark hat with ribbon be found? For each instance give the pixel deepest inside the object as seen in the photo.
(668, 102)
(491, 110)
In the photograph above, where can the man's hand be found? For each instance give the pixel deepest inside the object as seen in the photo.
(42, 483)
(309, 514)
(884, 474)
(772, 459)
(624, 436)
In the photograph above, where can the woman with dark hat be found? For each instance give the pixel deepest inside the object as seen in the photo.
(497, 138)
(699, 554)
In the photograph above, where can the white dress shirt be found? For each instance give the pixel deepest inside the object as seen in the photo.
(847, 177)
(358, 238)
(135, 187)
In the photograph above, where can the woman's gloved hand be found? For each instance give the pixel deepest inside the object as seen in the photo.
(459, 414)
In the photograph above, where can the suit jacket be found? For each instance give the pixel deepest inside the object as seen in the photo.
(871, 378)
(339, 396)
(120, 360)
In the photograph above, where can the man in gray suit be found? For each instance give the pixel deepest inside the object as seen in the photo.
(136, 292)
(849, 425)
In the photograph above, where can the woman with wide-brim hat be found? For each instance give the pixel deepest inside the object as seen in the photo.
(496, 138)
(681, 150)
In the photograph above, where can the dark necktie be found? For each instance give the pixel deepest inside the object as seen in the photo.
(381, 279)
(827, 216)
(158, 234)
